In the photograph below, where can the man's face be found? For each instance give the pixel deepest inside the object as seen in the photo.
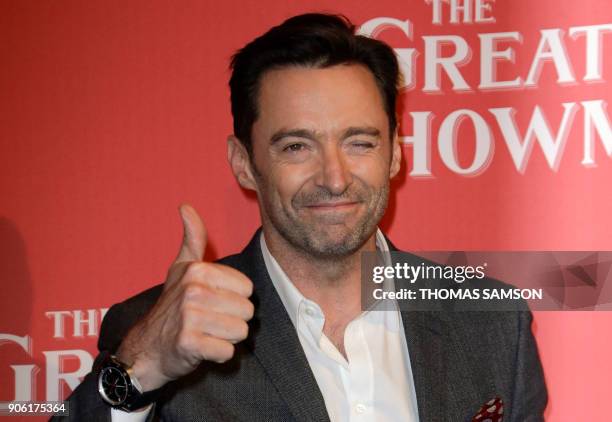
(322, 157)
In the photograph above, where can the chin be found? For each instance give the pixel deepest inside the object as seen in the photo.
(338, 247)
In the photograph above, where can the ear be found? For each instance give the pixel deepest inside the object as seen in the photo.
(396, 155)
(240, 163)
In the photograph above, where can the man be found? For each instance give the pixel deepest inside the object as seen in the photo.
(278, 332)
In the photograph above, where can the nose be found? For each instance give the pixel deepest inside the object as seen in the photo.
(334, 174)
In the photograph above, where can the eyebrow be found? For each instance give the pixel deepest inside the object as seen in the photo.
(312, 135)
(365, 130)
(292, 133)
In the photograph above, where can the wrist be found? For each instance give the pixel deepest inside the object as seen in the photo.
(148, 374)
(144, 369)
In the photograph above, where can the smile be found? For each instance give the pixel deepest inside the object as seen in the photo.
(332, 206)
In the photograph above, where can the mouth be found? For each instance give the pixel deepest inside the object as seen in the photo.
(332, 206)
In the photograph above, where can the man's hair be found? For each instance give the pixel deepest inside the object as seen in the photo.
(309, 40)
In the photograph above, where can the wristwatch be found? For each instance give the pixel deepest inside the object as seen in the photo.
(120, 388)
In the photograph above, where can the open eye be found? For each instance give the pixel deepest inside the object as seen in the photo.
(294, 147)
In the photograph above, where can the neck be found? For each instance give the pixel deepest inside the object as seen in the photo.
(333, 283)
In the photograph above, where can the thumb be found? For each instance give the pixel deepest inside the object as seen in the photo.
(194, 235)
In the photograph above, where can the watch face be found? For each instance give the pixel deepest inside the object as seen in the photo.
(113, 385)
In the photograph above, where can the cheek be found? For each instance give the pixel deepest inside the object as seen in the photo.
(374, 171)
(288, 180)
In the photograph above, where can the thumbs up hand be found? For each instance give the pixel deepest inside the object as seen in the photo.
(200, 315)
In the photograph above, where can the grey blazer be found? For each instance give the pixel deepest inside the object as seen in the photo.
(460, 360)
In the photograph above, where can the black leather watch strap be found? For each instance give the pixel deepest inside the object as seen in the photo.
(140, 400)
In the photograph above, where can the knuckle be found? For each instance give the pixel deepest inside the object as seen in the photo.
(197, 292)
(248, 287)
(192, 315)
(250, 310)
(240, 282)
(186, 341)
(243, 330)
(226, 352)
(193, 290)
(196, 270)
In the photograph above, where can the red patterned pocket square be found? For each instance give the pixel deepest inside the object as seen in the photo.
(491, 411)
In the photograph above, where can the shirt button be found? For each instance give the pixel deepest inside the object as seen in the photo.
(360, 408)
(309, 311)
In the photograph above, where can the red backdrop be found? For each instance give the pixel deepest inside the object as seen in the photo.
(113, 113)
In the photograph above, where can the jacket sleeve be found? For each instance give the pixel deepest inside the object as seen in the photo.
(85, 403)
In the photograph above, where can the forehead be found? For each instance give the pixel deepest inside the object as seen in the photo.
(325, 100)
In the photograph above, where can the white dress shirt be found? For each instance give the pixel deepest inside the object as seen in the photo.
(374, 382)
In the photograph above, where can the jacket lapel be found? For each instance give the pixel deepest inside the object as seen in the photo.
(449, 380)
(426, 340)
(450, 377)
(425, 347)
(275, 343)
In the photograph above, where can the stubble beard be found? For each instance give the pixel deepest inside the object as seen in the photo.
(320, 239)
